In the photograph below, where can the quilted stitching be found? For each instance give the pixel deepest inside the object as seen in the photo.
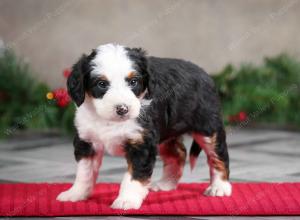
(32, 199)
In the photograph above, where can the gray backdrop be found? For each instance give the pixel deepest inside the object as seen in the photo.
(52, 34)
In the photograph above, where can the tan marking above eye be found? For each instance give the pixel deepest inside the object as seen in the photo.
(102, 77)
(131, 75)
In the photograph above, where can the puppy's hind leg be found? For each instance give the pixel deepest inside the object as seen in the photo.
(173, 155)
(218, 160)
(88, 165)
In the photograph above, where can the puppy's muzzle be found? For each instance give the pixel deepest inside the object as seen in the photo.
(122, 109)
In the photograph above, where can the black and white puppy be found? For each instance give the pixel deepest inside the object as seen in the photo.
(135, 105)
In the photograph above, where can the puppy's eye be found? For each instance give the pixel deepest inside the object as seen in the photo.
(133, 82)
(102, 84)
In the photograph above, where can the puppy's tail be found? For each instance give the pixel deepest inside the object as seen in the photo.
(194, 153)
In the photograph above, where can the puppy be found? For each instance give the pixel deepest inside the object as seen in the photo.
(137, 106)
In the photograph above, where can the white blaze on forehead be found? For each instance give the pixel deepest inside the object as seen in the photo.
(112, 61)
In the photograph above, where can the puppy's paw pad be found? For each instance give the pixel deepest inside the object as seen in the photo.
(163, 185)
(72, 196)
(126, 203)
(220, 188)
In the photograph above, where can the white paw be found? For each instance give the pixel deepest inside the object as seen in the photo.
(127, 203)
(219, 188)
(163, 185)
(72, 195)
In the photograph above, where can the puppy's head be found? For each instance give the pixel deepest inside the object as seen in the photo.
(113, 79)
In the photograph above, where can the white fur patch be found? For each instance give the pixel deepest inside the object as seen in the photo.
(172, 172)
(105, 133)
(218, 186)
(87, 172)
(112, 62)
(96, 119)
(131, 194)
(163, 185)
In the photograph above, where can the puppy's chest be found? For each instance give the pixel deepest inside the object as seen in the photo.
(109, 135)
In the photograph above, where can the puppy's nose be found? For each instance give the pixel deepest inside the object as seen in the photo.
(122, 109)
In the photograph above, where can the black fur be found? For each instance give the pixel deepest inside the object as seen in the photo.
(184, 100)
(195, 150)
(82, 148)
(222, 150)
(142, 156)
(77, 81)
(139, 88)
(138, 56)
(95, 88)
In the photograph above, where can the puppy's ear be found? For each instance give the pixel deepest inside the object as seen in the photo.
(77, 80)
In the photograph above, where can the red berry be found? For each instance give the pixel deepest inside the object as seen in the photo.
(242, 116)
(62, 103)
(62, 97)
(67, 72)
(231, 118)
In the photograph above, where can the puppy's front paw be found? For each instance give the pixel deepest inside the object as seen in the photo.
(219, 188)
(72, 195)
(127, 203)
(163, 185)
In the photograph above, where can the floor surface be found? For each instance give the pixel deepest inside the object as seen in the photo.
(255, 155)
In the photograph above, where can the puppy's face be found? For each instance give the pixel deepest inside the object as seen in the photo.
(114, 78)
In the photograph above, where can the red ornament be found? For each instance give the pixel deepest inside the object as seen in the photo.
(62, 103)
(67, 73)
(62, 97)
(239, 117)
(242, 116)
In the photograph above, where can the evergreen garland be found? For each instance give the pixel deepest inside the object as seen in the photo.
(266, 93)
(23, 103)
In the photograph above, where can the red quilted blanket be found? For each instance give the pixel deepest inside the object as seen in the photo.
(31, 199)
